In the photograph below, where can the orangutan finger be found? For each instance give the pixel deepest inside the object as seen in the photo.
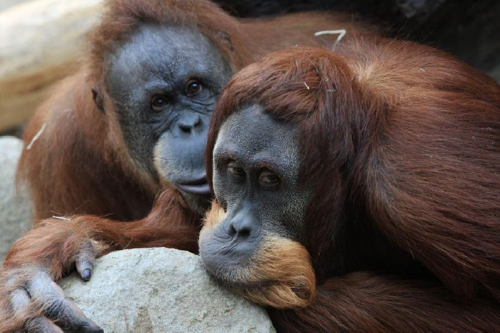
(47, 294)
(21, 302)
(85, 260)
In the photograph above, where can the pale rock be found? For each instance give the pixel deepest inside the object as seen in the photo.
(161, 290)
(16, 216)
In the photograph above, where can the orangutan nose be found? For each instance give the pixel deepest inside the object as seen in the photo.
(244, 226)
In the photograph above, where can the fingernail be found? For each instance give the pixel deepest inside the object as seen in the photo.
(86, 274)
(90, 327)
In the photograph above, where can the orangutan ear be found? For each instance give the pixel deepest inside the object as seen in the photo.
(97, 96)
(226, 40)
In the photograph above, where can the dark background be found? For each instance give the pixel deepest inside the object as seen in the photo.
(468, 29)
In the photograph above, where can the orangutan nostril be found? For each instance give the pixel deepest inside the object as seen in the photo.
(244, 233)
(232, 231)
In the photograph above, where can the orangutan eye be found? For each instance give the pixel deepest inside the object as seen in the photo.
(193, 87)
(269, 179)
(235, 171)
(159, 103)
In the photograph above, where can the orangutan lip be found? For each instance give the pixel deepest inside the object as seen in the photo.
(198, 186)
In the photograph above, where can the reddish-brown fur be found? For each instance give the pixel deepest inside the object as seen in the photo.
(79, 164)
(402, 146)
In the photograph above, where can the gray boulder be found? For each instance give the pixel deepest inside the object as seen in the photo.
(161, 290)
(16, 216)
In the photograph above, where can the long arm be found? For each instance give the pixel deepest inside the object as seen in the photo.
(429, 165)
(435, 188)
(367, 302)
(28, 294)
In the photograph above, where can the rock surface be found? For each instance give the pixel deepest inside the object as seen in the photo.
(15, 207)
(5, 4)
(161, 290)
(41, 42)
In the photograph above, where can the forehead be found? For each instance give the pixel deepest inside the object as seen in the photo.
(165, 52)
(252, 135)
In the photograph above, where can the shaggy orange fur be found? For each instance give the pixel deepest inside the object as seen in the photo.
(401, 144)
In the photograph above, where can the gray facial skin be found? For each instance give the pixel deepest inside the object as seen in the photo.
(149, 79)
(264, 197)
